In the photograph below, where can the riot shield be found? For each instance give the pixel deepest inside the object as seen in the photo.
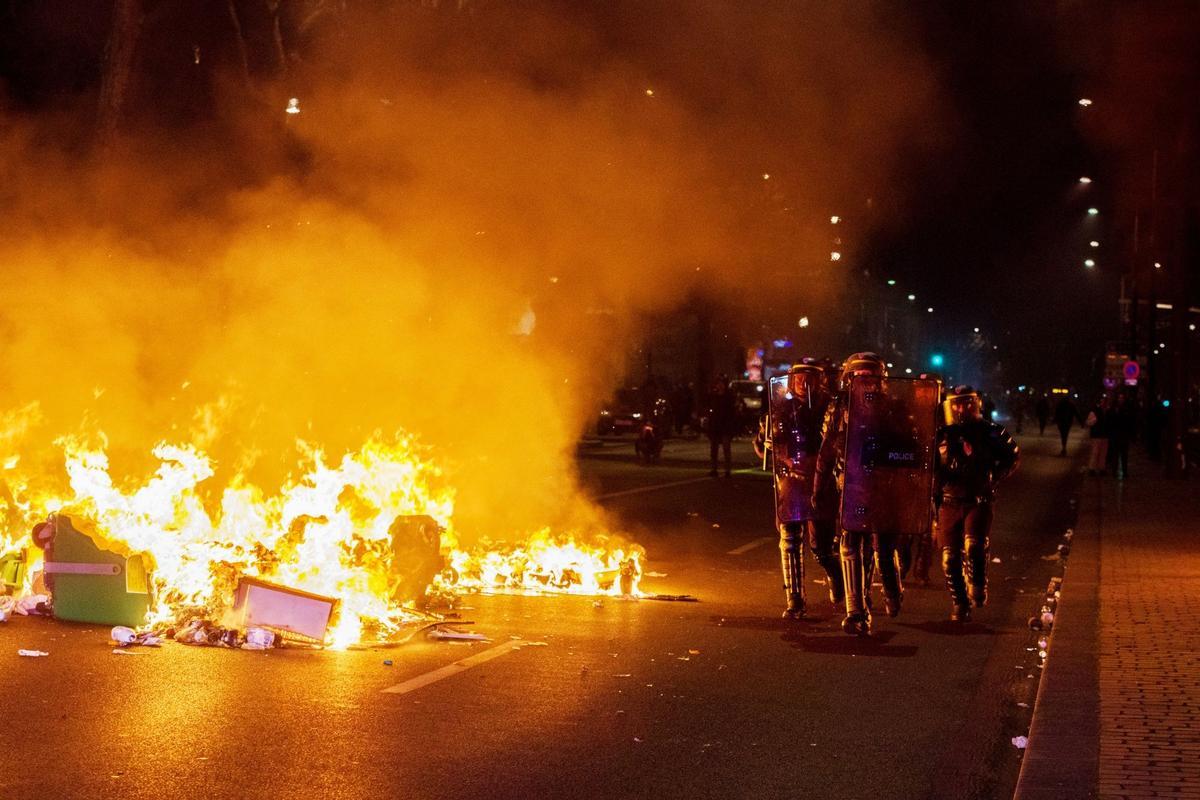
(794, 427)
(892, 423)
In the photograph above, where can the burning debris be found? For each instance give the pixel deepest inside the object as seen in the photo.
(349, 553)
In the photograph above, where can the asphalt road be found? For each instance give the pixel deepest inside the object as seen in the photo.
(625, 699)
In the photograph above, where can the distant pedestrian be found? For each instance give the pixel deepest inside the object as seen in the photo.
(684, 404)
(1019, 407)
(1065, 415)
(1042, 409)
(1098, 424)
(722, 420)
(1122, 427)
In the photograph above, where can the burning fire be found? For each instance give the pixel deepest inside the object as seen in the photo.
(332, 531)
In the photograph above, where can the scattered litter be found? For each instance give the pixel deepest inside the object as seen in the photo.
(715, 525)
(720, 667)
(120, 651)
(1020, 742)
(654, 574)
(597, 604)
(387, 662)
(683, 658)
(123, 636)
(624, 675)
(996, 560)
(259, 639)
(673, 598)
(32, 653)
(637, 739)
(1023, 705)
(1051, 557)
(34, 605)
(694, 652)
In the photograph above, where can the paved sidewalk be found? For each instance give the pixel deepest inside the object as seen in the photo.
(1118, 712)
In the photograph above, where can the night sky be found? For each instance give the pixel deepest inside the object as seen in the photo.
(979, 211)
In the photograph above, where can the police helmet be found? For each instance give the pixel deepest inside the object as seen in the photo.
(962, 404)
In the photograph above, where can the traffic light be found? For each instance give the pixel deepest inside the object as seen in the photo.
(936, 360)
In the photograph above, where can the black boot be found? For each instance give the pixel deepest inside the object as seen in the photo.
(792, 559)
(976, 567)
(833, 574)
(887, 562)
(922, 559)
(952, 565)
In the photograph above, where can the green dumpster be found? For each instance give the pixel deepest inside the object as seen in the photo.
(90, 584)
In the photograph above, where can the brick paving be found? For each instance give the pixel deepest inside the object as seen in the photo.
(1118, 712)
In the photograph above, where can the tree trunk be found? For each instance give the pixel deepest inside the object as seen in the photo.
(118, 67)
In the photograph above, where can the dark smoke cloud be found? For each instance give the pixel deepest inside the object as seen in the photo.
(243, 278)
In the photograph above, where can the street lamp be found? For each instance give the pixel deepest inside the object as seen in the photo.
(835, 256)
(1094, 243)
(937, 360)
(891, 282)
(1089, 263)
(912, 297)
(1085, 102)
(1093, 212)
(1085, 179)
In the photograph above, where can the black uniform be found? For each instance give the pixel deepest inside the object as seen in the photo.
(972, 457)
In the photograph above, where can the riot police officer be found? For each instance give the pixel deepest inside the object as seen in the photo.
(973, 455)
(855, 548)
(791, 432)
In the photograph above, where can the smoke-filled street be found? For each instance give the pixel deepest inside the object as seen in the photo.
(630, 399)
(585, 697)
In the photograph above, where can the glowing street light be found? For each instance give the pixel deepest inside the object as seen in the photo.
(1093, 211)
(912, 297)
(803, 322)
(835, 256)
(976, 330)
(1094, 243)
(929, 310)
(649, 93)
(937, 360)
(835, 219)
(1085, 102)
(293, 106)
(1085, 179)
(1157, 265)
(1089, 262)
(891, 282)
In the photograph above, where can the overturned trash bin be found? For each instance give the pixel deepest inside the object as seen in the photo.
(297, 616)
(88, 583)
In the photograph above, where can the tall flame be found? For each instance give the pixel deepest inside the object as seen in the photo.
(328, 531)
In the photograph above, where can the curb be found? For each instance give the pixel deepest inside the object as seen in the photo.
(1062, 759)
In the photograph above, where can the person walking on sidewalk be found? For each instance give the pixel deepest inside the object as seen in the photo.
(1043, 414)
(973, 455)
(722, 419)
(1098, 423)
(1122, 426)
(1065, 415)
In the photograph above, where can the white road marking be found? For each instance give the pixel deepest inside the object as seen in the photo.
(656, 486)
(450, 670)
(653, 488)
(746, 548)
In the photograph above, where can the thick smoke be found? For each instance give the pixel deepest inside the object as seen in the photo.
(454, 236)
